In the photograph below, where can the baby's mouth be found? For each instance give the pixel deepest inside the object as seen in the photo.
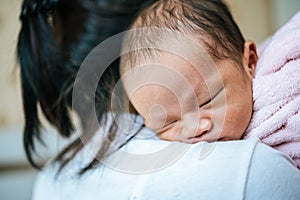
(199, 138)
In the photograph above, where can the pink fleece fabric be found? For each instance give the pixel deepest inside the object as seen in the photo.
(276, 91)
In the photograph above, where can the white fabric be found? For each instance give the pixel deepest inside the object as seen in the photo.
(225, 170)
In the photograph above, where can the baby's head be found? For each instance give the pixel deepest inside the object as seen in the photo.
(190, 96)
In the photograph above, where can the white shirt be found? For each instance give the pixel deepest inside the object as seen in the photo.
(243, 169)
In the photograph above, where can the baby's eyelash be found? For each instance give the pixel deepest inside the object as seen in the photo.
(208, 101)
(170, 123)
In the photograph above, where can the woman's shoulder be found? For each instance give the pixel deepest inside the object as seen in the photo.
(169, 170)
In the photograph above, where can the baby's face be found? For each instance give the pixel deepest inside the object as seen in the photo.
(179, 104)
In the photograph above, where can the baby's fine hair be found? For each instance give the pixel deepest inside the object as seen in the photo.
(209, 21)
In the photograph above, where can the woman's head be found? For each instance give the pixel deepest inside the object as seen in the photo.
(55, 38)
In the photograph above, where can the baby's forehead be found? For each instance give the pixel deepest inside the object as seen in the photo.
(166, 73)
(167, 62)
(165, 66)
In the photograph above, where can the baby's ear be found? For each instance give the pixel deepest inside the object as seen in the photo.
(250, 57)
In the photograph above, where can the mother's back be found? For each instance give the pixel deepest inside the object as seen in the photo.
(224, 170)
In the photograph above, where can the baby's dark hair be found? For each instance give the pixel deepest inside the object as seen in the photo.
(208, 21)
(55, 37)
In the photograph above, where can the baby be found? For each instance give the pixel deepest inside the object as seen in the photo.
(187, 93)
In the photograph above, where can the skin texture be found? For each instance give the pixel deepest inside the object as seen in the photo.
(181, 104)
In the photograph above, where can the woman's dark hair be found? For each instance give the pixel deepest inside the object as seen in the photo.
(55, 37)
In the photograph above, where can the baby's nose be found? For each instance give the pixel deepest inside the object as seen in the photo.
(193, 126)
(205, 125)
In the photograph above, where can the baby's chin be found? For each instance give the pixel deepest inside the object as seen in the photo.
(228, 135)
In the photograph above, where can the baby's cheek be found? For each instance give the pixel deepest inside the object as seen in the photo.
(156, 117)
(235, 124)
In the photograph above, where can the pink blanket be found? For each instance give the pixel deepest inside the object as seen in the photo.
(276, 92)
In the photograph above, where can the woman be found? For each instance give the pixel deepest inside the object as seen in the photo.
(55, 38)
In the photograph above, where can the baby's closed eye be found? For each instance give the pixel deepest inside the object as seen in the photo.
(207, 103)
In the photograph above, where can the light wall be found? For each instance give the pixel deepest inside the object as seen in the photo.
(10, 95)
(283, 10)
(253, 18)
(258, 19)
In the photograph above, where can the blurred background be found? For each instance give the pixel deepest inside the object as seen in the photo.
(257, 19)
